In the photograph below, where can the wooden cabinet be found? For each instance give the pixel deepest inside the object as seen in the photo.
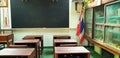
(105, 26)
(106, 1)
(112, 27)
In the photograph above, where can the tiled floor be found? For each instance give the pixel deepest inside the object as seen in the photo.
(48, 53)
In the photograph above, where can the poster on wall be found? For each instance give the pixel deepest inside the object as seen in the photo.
(5, 21)
(3, 3)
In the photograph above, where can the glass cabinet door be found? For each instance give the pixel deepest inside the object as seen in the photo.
(98, 32)
(88, 22)
(99, 18)
(112, 28)
(99, 14)
(113, 13)
(89, 30)
(89, 15)
(112, 36)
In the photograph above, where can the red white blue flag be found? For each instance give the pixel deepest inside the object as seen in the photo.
(80, 29)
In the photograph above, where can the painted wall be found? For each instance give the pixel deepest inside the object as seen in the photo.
(46, 32)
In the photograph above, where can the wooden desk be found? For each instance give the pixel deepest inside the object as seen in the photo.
(30, 43)
(6, 31)
(40, 37)
(6, 39)
(61, 37)
(73, 52)
(58, 42)
(17, 53)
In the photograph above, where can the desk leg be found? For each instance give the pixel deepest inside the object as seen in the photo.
(32, 55)
(41, 46)
(55, 55)
(38, 52)
(88, 55)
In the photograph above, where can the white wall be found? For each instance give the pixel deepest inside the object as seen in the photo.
(46, 32)
(73, 16)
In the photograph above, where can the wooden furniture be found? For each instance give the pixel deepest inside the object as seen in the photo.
(30, 43)
(40, 37)
(6, 39)
(72, 52)
(17, 53)
(61, 37)
(63, 43)
(18, 46)
(59, 42)
(6, 31)
(103, 27)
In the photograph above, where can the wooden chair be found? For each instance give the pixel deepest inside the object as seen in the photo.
(32, 37)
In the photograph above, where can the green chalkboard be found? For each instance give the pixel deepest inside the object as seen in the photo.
(40, 14)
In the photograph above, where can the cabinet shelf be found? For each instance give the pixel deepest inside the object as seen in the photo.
(99, 24)
(104, 46)
(112, 25)
(114, 17)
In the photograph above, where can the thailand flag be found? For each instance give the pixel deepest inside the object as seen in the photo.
(80, 29)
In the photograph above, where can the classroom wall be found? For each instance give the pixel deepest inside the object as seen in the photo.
(73, 15)
(48, 33)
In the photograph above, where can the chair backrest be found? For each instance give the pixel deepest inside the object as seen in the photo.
(18, 46)
(61, 37)
(68, 45)
(30, 37)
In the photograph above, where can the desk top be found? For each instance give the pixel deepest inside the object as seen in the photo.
(27, 41)
(64, 40)
(16, 51)
(69, 50)
(61, 35)
(5, 34)
(29, 36)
